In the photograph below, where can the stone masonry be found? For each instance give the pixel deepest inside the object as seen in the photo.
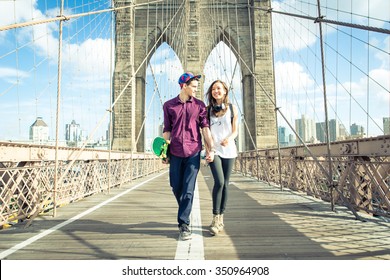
(193, 28)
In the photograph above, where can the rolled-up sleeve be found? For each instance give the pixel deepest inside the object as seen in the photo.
(203, 120)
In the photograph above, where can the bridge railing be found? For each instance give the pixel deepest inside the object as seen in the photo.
(360, 172)
(27, 176)
(360, 168)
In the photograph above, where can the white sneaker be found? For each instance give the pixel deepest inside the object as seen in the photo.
(185, 232)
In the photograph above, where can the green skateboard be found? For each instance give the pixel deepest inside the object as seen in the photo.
(160, 147)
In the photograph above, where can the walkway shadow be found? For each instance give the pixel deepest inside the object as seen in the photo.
(263, 222)
(91, 239)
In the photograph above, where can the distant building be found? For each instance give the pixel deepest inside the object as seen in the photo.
(357, 131)
(334, 130)
(39, 131)
(291, 139)
(282, 136)
(306, 129)
(386, 126)
(343, 134)
(320, 132)
(337, 131)
(73, 132)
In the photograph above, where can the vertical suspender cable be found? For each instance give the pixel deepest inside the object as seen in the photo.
(368, 70)
(330, 174)
(276, 109)
(110, 102)
(350, 70)
(337, 65)
(250, 20)
(58, 109)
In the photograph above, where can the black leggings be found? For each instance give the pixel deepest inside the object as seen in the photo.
(221, 168)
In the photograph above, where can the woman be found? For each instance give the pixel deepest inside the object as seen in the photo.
(224, 126)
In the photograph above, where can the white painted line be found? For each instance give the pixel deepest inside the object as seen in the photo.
(31, 240)
(192, 249)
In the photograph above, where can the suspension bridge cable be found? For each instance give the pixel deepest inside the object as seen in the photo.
(276, 118)
(323, 20)
(58, 111)
(330, 174)
(308, 69)
(68, 17)
(281, 113)
(330, 46)
(229, 43)
(121, 92)
(173, 35)
(367, 76)
(109, 138)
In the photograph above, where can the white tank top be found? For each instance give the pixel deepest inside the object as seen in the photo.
(221, 127)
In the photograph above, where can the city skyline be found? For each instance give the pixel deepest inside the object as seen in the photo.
(315, 132)
(74, 135)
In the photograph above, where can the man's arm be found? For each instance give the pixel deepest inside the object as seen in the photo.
(167, 136)
(209, 144)
(208, 138)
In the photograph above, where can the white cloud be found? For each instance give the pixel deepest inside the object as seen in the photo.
(291, 78)
(381, 76)
(88, 58)
(12, 12)
(85, 66)
(383, 56)
(12, 73)
(43, 38)
(299, 94)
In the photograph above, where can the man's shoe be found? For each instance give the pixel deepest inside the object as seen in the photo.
(185, 232)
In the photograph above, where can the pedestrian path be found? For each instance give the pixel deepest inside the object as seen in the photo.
(138, 221)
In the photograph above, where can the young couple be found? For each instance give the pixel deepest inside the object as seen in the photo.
(184, 117)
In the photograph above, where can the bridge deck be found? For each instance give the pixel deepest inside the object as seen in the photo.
(138, 221)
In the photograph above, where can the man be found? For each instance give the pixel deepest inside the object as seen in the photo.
(184, 115)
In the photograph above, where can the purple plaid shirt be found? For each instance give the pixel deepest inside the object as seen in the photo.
(184, 121)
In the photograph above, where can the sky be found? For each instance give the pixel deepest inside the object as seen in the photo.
(352, 96)
(357, 92)
(29, 68)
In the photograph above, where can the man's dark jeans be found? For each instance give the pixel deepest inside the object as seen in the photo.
(182, 177)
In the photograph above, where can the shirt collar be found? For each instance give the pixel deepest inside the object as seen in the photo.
(189, 100)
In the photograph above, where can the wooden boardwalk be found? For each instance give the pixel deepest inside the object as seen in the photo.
(138, 221)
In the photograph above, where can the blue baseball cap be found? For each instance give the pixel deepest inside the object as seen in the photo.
(187, 76)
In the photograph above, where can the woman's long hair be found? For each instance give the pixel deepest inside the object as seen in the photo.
(211, 99)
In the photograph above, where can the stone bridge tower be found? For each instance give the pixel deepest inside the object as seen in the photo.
(249, 38)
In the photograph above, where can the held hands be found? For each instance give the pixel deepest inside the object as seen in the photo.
(210, 156)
